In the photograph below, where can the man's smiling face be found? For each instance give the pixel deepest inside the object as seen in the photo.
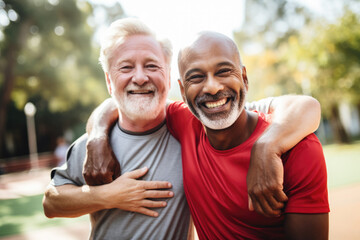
(138, 78)
(213, 84)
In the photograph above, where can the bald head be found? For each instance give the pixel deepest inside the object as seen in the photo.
(203, 43)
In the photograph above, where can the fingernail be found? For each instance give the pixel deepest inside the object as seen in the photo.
(171, 194)
(164, 204)
(156, 214)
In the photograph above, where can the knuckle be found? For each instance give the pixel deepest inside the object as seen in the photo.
(257, 191)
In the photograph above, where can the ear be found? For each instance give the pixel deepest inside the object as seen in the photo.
(108, 83)
(182, 90)
(244, 77)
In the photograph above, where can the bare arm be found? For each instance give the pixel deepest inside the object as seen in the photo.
(101, 165)
(293, 118)
(125, 193)
(307, 226)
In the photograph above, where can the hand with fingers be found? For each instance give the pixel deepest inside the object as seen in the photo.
(265, 181)
(100, 165)
(129, 194)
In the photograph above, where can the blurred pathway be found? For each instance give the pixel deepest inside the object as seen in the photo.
(344, 204)
(15, 185)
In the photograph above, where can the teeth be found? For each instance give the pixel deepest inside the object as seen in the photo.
(140, 91)
(215, 104)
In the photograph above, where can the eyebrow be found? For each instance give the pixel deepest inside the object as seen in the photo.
(221, 64)
(129, 60)
(188, 73)
(225, 64)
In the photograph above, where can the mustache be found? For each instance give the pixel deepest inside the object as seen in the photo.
(212, 98)
(145, 87)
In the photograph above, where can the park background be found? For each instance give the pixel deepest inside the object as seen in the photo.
(49, 56)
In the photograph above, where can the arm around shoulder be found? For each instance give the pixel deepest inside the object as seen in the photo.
(293, 118)
(101, 165)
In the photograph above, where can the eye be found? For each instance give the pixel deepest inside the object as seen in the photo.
(195, 78)
(224, 72)
(126, 68)
(152, 67)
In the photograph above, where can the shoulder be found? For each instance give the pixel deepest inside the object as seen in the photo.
(178, 113)
(78, 147)
(71, 171)
(177, 106)
(310, 146)
(305, 177)
(307, 154)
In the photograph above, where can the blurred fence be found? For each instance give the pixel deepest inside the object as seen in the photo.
(19, 164)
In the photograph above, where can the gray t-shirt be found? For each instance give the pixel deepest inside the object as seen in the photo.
(262, 105)
(158, 151)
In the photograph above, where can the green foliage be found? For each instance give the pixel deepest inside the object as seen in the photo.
(56, 65)
(331, 59)
(318, 57)
(57, 60)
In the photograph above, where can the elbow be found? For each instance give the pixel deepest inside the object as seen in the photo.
(48, 206)
(47, 210)
(314, 107)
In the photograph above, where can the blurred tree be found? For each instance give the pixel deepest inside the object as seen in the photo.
(290, 50)
(331, 65)
(267, 25)
(47, 57)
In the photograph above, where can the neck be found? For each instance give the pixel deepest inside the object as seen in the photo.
(140, 125)
(234, 135)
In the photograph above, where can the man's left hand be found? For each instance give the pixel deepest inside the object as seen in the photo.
(265, 181)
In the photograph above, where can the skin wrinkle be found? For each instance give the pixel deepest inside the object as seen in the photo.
(141, 67)
(217, 76)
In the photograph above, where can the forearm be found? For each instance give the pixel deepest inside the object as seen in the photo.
(102, 119)
(101, 166)
(293, 118)
(72, 201)
(307, 226)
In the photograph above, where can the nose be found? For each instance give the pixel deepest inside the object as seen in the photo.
(212, 85)
(140, 77)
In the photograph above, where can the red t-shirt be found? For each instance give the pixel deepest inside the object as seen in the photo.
(215, 181)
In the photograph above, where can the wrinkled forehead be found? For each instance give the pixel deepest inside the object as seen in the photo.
(207, 48)
(138, 46)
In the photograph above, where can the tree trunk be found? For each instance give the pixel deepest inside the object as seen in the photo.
(12, 51)
(9, 78)
(340, 134)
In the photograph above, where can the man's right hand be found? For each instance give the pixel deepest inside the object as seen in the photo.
(133, 195)
(100, 165)
(126, 193)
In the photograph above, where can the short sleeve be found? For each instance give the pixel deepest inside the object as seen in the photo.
(262, 105)
(71, 171)
(305, 178)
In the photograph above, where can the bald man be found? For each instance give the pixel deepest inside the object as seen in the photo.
(216, 141)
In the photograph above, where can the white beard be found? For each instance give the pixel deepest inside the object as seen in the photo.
(221, 122)
(138, 107)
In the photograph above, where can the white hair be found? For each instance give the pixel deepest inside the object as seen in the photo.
(119, 30)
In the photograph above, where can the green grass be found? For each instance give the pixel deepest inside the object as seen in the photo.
(26, 214)
(343, 164)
